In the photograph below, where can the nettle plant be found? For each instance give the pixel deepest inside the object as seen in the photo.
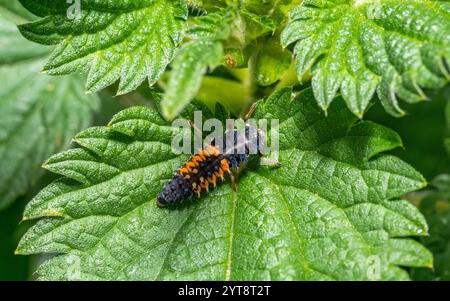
(333, 211)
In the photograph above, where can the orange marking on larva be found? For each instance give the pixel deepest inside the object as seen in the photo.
(197, 159)
(203, 154)
(219, 174)
(206, 152)
(212, 179)
(191, 170)
(216, 151)
(212, 150)
(190, 165)
(224, 165)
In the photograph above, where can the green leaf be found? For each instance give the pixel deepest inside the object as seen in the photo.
(13, 268)
(15, 8)
(38, 114)
(255, 7)
(256, 25)
(14, 48)
(204, 51)
(447, 118)
(109, 40)
(266, 7)
(422, 130)
(436, 208)
(187, 73)
(393, 47)
(217, 90)
(447, 145)
(207, 5)
(330, 212)
(272, 62)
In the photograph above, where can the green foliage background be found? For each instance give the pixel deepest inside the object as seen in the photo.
(361, 91)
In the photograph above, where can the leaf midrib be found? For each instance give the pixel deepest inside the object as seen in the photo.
(228, 271)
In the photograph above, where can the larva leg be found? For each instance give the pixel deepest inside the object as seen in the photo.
(250, 111)
(270, 162)
(233, 178)
(197, 132)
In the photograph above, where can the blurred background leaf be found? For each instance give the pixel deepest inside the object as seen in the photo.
(14, 7)
(12, 267)
(436, 208)
(39, 115)
(447, 139)
(423, 131)
(272, 62)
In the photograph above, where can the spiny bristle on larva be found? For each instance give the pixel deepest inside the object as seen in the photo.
(204, 169)
(198, 173)
(208, 154)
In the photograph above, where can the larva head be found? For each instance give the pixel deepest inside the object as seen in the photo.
(176, 191)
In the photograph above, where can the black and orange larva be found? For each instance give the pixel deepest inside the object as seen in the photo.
(205, 168)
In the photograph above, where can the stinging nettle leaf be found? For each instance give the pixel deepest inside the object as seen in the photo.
(204, 51)
(187, 73)
(394, 48)
(120, 40)
(330, 212)
(207, 5)
(272, 62)
(256, 25)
